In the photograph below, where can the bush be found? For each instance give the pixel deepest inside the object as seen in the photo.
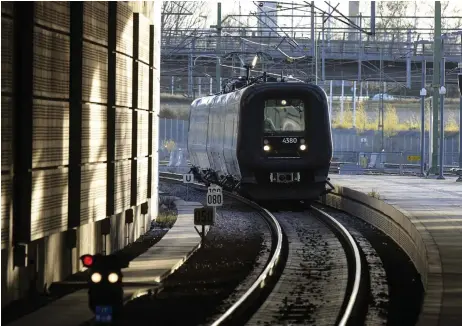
(169, 144)
(166, 219)
(171, 113)
(166, 113)
(451, 124)
(390, 121)
(392, 125)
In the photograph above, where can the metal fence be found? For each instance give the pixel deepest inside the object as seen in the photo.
(348, 144)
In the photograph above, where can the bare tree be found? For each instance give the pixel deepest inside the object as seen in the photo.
(182, 18)
(392, 20)
(448, 9)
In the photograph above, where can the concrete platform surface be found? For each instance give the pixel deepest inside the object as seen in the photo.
(153, 266)
(434, 208)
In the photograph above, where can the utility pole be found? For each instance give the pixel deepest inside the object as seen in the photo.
(218, 66)
(313, 44)
(460, 113)
(423, 93)
(442, 92)
(436, 81)
(292, 22)
(381, 112)
(408, 60)
(323, 53)
(191, 92)
(360, 63)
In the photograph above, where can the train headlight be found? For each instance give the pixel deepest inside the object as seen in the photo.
(302, 147)
(265, 141)
(96, 277)
(113, 277)
(283, 102)
(266, 148)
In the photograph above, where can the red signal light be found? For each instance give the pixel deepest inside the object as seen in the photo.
(87, 260)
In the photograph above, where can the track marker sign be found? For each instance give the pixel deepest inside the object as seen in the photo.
(188, 178)
(214, 196)
(204, 216)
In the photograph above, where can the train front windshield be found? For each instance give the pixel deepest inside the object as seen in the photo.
(284, 115)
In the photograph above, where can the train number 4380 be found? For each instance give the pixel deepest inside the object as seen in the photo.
(289, 140)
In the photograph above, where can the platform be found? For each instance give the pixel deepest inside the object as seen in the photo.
(152, 266)
(429, 212)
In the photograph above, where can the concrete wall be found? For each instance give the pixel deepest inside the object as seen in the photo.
(54, 260)
(408, 232)
(50, 255)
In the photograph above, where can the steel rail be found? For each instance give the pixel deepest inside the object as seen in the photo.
(268, 271)
(353, 296)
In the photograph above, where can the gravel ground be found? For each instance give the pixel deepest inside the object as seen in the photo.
(397, 291)
(313, 284)
(233, 254)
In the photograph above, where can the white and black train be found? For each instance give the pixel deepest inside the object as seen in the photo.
(268, 141)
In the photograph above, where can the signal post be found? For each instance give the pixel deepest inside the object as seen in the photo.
(187, 179)
(206, 215)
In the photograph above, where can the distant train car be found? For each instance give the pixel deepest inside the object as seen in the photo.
(268, 141)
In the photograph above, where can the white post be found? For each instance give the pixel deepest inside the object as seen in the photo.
(341, 101)
(200, 86)
(430, 139)
(211, 83)
(330, 100)
(173, 83)
(354, 104)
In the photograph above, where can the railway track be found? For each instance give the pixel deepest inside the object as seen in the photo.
(315, 246)
(321, 281)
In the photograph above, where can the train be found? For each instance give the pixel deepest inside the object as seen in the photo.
(268, 140)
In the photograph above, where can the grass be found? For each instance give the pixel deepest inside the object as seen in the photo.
(374, 193)
(166, 219)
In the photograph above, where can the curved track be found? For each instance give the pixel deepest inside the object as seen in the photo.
(275, 271)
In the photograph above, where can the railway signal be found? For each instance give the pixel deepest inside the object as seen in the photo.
(105, 291)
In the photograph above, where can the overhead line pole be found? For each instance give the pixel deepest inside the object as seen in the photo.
(423, 93)
(436, 81)
(442, 92)
(313, 44)
(218, 49)
(460, 112)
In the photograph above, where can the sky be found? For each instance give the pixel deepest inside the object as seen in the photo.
(421, 8)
